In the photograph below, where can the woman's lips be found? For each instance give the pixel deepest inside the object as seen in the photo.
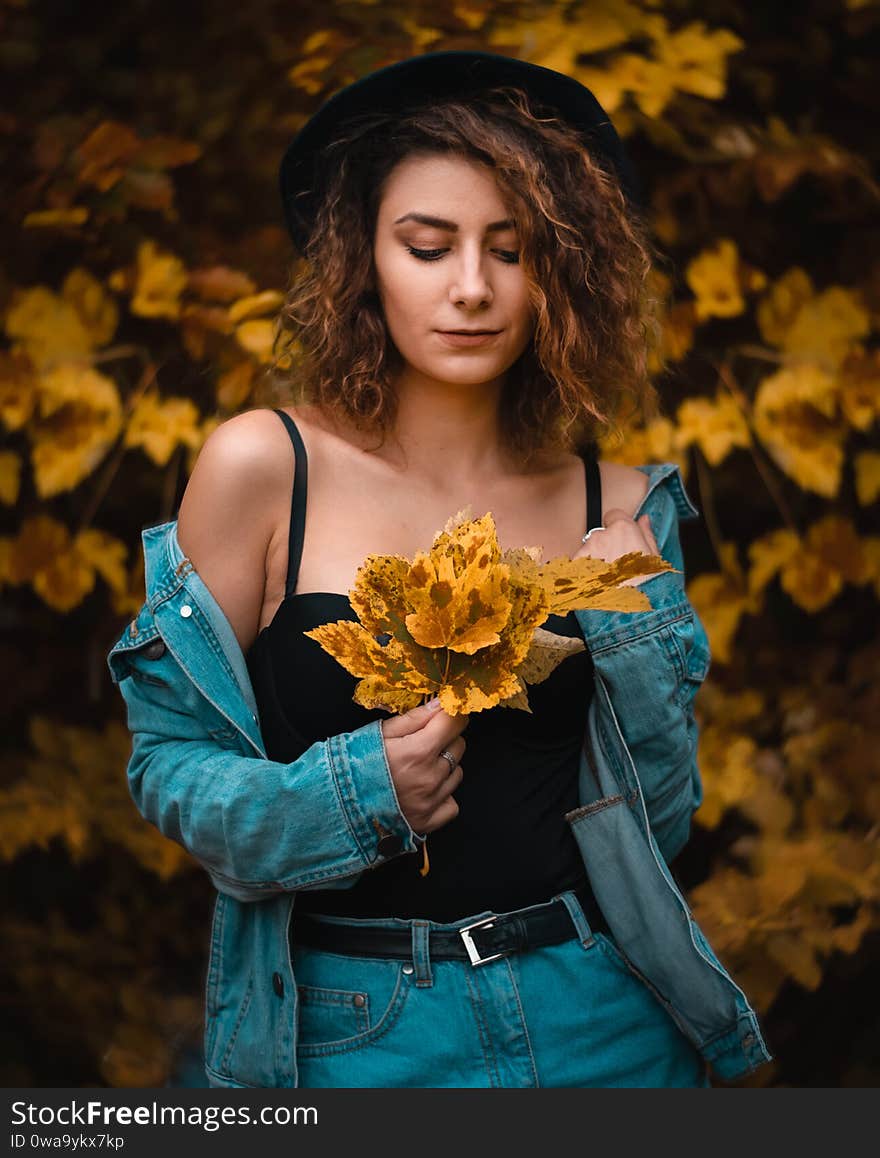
(455, 339)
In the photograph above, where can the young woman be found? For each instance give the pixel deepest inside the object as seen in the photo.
(473, 313)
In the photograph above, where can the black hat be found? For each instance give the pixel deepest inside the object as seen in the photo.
(436, 76)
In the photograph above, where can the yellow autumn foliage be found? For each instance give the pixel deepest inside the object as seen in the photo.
(158, 425)
(716, 425)
(463, 620)
(812, 327)
(159, 280)
(61, 568)
(55, 328)
(796, 417)
(79, 418)
(713, 277)
(768, 344)
(72, 791)
(721, 599)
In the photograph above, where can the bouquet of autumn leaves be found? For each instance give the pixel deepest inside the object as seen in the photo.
(461, 622)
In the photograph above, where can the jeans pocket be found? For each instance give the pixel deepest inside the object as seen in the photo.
(615, 955)
(345, 1003)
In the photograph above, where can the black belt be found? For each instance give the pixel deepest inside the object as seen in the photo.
(478, 943)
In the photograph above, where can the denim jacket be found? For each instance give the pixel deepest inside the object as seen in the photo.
(263, 830)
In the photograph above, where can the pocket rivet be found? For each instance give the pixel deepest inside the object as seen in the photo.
(407, 969)
(360, 1000)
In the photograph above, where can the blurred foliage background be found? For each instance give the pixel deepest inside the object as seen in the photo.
(144, 260)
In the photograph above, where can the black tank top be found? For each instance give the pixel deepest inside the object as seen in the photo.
(510, 845)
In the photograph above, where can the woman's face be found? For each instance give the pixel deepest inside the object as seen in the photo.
(446, 260)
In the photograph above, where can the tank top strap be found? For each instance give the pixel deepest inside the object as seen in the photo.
(297, 503)
(594, 488)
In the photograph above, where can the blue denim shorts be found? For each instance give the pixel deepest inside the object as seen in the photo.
(565, 1015)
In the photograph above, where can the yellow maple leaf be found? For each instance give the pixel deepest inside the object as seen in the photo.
(157, 425)
(812, 570)
(827, 325)
(713, 275)
(811, 581)
(796, 417)
(66, 582)
(769, 554)
(47, 327)
(458, 591)
(80, 417)
(388, 675)
(588, 583)
(716, 425)
(160, 279)
(820, 328)
(695, 57)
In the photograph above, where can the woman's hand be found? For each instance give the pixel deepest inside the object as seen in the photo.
(621, 535)
(423, 779)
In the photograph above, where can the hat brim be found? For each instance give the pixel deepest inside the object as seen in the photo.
(431, 77)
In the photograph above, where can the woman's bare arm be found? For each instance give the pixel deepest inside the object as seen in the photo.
(229, 510)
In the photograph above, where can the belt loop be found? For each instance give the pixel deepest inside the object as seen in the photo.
(578, 917)
(421, 954)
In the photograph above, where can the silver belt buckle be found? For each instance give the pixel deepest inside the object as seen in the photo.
(472, 951)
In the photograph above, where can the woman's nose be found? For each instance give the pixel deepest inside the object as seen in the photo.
(470, 285)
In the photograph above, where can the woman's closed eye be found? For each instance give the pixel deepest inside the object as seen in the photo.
(507, 255)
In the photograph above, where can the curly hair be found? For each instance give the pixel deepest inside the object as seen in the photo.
(584, 250)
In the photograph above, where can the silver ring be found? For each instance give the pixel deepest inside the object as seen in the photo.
(584, 539)
(450, 759)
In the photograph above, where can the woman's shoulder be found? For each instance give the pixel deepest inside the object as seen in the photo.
(259, 439)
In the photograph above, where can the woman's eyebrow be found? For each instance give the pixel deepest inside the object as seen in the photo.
(450, 226)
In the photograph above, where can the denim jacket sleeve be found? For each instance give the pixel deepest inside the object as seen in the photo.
(256, 825)
(652, 663)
